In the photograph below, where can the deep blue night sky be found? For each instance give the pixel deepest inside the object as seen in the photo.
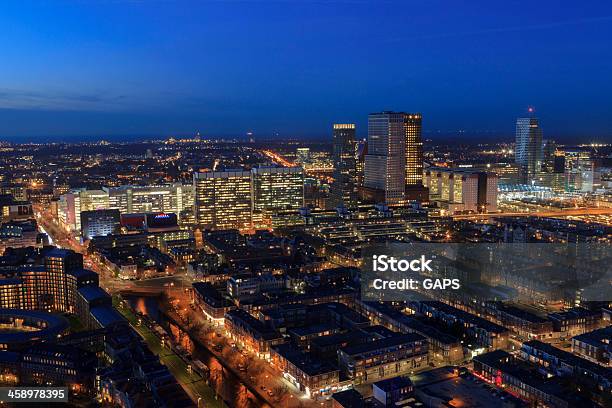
(104, 68)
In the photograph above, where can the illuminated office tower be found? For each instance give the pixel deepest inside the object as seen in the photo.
(414, 149)
(172, 198)
(361, 150)
(394, 163)
(73, 203)
(558, 182)
(580, 172)
(553, 167)
(528, 150)
(344, 188)
(127, 199)
(278, 188)
(52, 287)
(223, 199)
(302, 155)
(99, 223)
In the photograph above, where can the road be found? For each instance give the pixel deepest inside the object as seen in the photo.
(277, 158)
(559, 213)
(259, 374)
(192, 383)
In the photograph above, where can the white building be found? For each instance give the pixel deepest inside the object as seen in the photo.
(460, 190)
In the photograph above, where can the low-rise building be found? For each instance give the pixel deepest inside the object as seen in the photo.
(559, 362)
(522, 322)
(310, 375)
(384, 358)
(483, 332)
(211, 302)
(595, 346)
(392, 391)
(575, 321)
(251, 333)
(503, 370)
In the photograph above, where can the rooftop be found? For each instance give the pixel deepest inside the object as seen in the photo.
(394, 383)
(106, 315)
(91, 293)
(380, 344)
(303, 361)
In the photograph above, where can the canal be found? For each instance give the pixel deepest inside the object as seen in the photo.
(227, 385)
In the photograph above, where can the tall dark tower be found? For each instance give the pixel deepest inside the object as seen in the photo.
(344, 188)
(394, 163)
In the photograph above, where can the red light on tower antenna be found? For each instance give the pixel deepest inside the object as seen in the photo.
(530, 109)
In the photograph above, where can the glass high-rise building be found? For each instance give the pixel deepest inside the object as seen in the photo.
(528, 149)
(344, 188)
(394, 162)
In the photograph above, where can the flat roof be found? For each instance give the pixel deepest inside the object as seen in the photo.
(383, 343)
(313, 329)
(303, 361)
(91, 293)
(394, 383)
(106, 315)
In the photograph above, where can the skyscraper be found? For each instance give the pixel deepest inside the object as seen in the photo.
(528, 150)
(223, 199)
(302, 155)
(344, 188)
(414, 149)
(394, 163)
(580, 172)
(278, 188)
(361, 150)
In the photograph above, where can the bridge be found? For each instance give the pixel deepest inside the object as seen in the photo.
(146, 292)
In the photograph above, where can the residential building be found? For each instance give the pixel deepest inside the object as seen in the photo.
(384, 358)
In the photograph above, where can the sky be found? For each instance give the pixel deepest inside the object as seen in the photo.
(291, 68)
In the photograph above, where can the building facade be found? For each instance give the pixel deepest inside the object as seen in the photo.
(344, 188)
(394, 162)
(99, 223)
(223, 199)
(384, 358)
(528, 149)
(278, 188)
(172, 198)
(461, 190)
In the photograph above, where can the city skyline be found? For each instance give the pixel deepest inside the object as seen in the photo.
(305, 203)
(125, 69)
